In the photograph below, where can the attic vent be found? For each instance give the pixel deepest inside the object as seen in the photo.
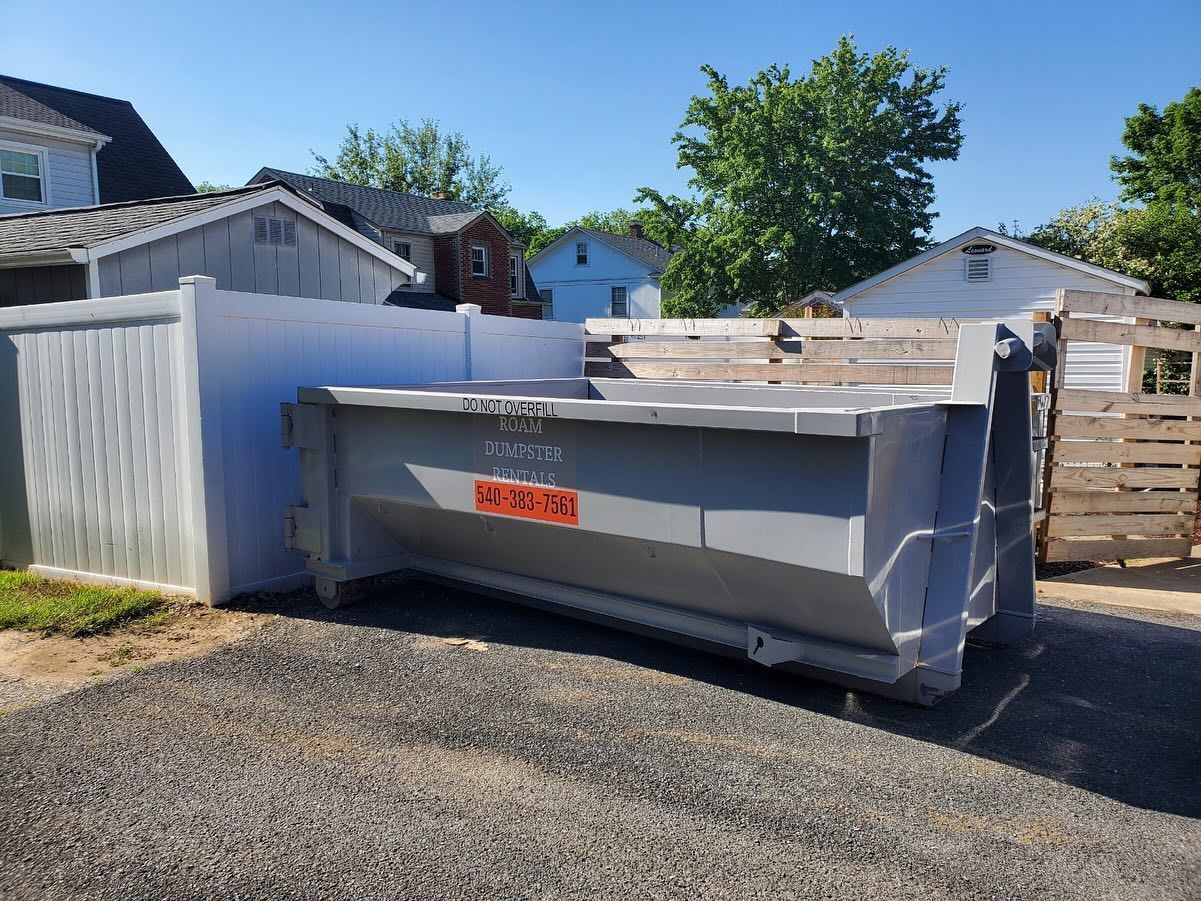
(270, 230)
(977, 269)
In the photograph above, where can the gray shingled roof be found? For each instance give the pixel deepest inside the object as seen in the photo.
(92, 225)
(383, 208)
(134, 165)
(16, 105)
(642, 249)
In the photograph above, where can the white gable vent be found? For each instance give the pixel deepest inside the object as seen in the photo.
(270, 230)
(977, 269)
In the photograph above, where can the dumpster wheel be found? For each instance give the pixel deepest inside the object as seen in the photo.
(335, 594)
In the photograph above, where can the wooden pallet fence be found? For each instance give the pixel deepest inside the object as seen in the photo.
(1122, 475)
(908, 352)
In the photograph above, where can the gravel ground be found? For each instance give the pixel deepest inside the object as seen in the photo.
(360, 754)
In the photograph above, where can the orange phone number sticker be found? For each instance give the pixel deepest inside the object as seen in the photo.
(528, 502)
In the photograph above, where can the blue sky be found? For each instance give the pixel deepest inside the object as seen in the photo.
(578, 102)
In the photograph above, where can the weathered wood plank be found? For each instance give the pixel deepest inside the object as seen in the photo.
(741, 328)
(1113, 477)
(1062, 549)
(846, 373)
(1123, 502)
(870, 328)
(707, 350)
(1134, 335)
(873, 349)
(1127, 452)
(1141, 429)
(1079, 400)
(1126, 305)
(1060, 526)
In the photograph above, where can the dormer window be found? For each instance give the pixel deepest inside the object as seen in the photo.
(581, 253)
(514, 284)
(21, 172)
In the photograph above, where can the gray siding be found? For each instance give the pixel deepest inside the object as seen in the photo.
(321, 265)
(42, 284)
(423, 255)
(68, 176)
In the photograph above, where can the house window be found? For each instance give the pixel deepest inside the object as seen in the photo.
(618, 308)
(403, 249)
(513, 284)
(581, 253)
(479, 260)
(270, 230)
(977, 268)
(21, 175)
(548, 302)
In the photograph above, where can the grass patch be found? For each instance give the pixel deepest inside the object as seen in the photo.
(69, 608)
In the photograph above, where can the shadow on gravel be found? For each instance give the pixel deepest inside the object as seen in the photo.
(1105, 703)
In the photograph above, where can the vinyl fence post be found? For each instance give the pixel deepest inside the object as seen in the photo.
(205, 470)
(470, 335)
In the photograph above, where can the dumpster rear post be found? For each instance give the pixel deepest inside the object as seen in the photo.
(854, 534)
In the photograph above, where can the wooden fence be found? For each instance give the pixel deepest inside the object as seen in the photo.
(851, 352)
(1121, 475)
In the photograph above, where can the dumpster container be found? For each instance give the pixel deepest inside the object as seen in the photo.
(856, 534)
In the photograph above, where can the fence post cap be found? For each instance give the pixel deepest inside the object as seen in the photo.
(198, 280)
(468, 308)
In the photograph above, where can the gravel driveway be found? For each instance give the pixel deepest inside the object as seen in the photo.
(360, 754)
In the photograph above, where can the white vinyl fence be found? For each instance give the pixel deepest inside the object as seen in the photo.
(140, 435)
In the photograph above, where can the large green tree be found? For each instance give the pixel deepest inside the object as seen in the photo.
(804, 183)
(1165, 161)
(421, 159)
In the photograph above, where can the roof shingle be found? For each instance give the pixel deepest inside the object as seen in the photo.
(89, 226)
(134, 166)
(381, 207)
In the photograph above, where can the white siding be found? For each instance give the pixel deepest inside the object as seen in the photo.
(68, 176)
(321, 265)
(423, 256)
(1020, 285)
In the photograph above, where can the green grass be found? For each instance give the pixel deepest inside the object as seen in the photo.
(69, 608)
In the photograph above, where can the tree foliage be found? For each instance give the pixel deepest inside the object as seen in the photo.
(207, 187)
(1159, 240)
(804, 183)
(421, 159)
(1165, 165)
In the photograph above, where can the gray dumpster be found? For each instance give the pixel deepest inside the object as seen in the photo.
(854, 534)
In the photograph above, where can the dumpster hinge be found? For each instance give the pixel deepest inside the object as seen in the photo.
(299, 425)
(300, 530)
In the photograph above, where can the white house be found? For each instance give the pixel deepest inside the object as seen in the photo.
(588, 272)
(983, 274)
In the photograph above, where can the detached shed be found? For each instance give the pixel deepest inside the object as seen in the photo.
(983, 274)
(263, 239)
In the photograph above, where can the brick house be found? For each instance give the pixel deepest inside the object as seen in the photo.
(466, 255)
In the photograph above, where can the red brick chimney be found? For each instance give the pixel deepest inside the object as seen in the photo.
(635, 229)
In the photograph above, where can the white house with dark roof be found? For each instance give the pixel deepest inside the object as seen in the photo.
(590, 273)
(65, 148)
(982, 274)
(264, 239)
